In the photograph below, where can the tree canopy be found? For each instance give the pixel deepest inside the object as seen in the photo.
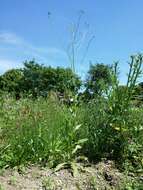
(39, 80)
(99, 78)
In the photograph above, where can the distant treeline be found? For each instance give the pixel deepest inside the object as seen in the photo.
(38, 80)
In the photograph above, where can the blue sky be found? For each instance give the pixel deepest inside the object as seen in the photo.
(28, 31)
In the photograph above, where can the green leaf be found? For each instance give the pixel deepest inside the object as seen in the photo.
(82, 141)
(74, 168)
(82, 158)
(60, 166)
(77, 127)
(76, 149)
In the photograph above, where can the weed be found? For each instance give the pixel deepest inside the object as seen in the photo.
(12, 180)
(92, 183)
(113, 125)
(1, 187)
(48, 184)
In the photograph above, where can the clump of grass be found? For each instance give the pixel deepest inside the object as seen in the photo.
(1, 187)
(48, 184)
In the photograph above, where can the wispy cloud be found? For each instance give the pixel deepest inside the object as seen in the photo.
(10, 38)
(40, 53)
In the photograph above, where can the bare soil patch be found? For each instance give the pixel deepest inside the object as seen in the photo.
(101, 176)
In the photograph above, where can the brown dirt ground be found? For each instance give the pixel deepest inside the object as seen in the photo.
(102, 176)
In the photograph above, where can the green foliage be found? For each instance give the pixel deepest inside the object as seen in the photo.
(131, 184)
(138, 95)
(114, 126)
(10, 81)
(38, 80)
(46, 131)
(1, 187)
(98, 80)
(92, 183)
(48, 184)
(38, 131)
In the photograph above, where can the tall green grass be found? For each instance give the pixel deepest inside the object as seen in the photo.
(37, 131)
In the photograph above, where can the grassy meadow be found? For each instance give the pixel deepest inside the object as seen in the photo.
(48, 132)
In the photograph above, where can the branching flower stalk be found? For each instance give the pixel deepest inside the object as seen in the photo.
(76, 42)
